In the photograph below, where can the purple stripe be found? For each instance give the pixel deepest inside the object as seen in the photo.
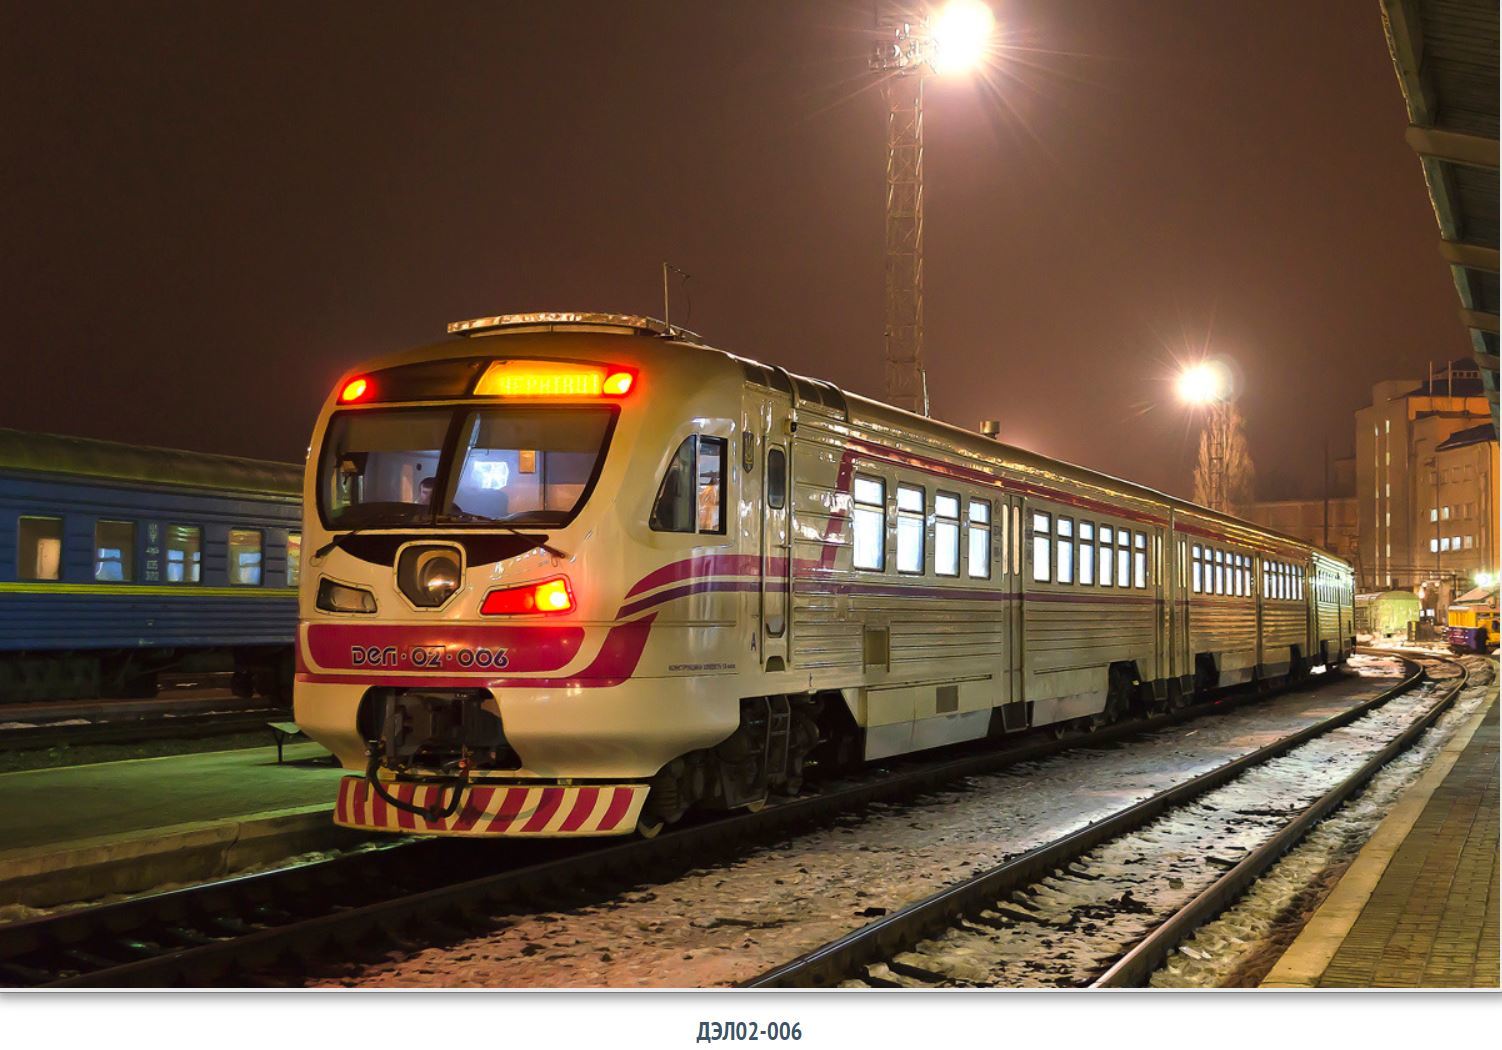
(702, 587)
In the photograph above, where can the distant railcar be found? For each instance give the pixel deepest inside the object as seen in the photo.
(577, 574)
(1472, 621)
(119, 562)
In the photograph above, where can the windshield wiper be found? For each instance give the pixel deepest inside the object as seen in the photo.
(464, 517)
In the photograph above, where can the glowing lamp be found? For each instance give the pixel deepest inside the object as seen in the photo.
(552, 379)
(549, 596)
(1485, 579)
(1203, 384)
(354, 390)
(961, 34)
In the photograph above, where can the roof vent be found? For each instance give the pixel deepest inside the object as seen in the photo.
(990, 427)
(568, 321)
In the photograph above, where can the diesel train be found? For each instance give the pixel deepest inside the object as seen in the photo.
(580, 574)
(119, 562)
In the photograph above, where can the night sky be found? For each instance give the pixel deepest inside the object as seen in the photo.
(209, 210)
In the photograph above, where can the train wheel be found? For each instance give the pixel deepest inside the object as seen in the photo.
(1070, 727)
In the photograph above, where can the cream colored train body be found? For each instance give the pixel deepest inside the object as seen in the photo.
(537, 603)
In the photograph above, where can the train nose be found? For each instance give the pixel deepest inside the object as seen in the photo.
(429, 575)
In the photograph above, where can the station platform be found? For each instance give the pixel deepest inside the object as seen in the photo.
(1418, 907)
(83, 832)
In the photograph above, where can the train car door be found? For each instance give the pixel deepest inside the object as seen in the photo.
(1163, 627)
(776, 549)
(1180, 662)
(1011, 563)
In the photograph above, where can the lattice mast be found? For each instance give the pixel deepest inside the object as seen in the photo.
(899, 62)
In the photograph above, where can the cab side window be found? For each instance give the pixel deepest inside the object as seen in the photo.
(777, 478)
(691, 497)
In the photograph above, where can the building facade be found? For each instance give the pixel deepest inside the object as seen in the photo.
(1330, 524)
(1426, 484)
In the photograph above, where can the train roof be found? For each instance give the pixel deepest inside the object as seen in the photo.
(58, 454)
(811, 393)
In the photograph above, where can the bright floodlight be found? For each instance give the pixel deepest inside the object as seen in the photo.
(1485, 579)
(1203, 384)
(961, 33)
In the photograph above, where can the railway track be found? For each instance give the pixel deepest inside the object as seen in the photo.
(273, 925)
(198, 726)
(1104, 906)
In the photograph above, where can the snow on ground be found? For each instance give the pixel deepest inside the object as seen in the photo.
(1066, 929)
(1240, 947)
(727, 923)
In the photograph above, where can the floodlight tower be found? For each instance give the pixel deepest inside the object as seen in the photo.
(1206, 385)
(954, 39)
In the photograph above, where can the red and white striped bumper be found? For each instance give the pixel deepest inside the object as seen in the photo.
(544, 811)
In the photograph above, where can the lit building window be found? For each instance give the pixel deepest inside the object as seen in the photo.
(294, 558)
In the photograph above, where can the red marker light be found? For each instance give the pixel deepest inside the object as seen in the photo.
(617, 384)
(354, 390)
(549, 596)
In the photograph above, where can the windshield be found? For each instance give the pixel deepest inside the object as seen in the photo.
(513, 465)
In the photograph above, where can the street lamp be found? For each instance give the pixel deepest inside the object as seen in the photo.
(1208, 385)
(952, 40)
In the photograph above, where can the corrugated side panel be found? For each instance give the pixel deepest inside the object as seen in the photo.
(81, 621)
(1284, 623)
(1064, 636)
(1329, 619)
(1222, 625)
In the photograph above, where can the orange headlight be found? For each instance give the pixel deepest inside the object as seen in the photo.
(354, 390)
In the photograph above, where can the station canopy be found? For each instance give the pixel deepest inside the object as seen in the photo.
(1445, 56)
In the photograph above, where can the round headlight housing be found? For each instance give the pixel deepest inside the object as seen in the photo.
(430, 576)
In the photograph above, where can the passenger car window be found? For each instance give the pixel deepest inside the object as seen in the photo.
(909, 529)
(1064, 551)
(868, 524)
(245, 557)
(1123, 558)
(1042, 546)
(946, 534)
(1107, 538)
(1199, 569)
(777, 478)
(115, 551)
(294, 558)
(184, 554)
(1087, 552)
(1139, 560)
(39, 549)
(979, 513)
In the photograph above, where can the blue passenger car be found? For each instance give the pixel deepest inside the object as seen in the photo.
(119, 562)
